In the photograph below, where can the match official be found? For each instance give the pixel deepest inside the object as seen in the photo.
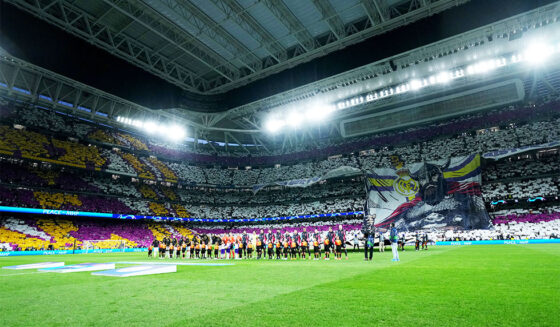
(394, 242)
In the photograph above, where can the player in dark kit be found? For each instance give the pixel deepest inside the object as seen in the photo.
(305, 240)
(197, 250)
(191, 249)
(184, 246)
(278, 236)
(329, 239)
(170, 250)
(178, 249)
(286, 245)
(270, 250)
(240, 247)
(260, 244)
(259, 247)
(342, 236)
(304, 248)
(162, 249)
(417, 242)
(327, 244)
(425, 242)
(155, 244)
(278, 249)
(244, 241)
(250, 250)
(338, 248)
(168, 245)
(293, 246)
(202, 250)
(270, 244)
(317, 244)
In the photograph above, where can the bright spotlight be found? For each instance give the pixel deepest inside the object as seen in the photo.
(150, 127)
(295, 119)
(415, 84)
(432, 79)
(274, 125)
(318, 112)
(538, 53)
(443, 77)
(176, 133)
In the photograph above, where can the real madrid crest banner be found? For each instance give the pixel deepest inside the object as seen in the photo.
(427, 195)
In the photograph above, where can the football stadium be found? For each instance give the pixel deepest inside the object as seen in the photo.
(279, 163)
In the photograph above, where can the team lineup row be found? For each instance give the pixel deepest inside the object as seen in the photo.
(271, 245)
(238, 246)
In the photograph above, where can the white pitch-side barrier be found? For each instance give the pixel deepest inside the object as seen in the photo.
(138, 271)
(81, 267)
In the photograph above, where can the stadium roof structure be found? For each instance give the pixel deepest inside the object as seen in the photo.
(469, 72)
(213, 46)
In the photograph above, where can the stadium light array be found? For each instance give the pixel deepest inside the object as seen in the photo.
(274, 125)
(536, 54)
(296, 118)
(171, 132)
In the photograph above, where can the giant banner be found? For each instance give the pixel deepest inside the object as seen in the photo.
(426, 195)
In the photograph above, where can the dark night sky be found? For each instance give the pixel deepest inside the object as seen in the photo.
(45, 45)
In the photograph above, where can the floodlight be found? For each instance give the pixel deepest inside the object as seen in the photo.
(415, 84)
(295, 119)
(318, 112)
(150, 127)
(443, 77)
(537, 53)
(274, 125)
(175, 133)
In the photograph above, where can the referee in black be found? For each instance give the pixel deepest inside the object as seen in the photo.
(368, 229)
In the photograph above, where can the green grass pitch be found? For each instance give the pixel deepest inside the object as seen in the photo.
(500, 285)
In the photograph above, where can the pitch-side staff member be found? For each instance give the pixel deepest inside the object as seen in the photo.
(368, 229)
(394, 242)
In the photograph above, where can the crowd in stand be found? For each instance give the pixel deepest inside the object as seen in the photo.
(117, 150)
(97, 191)
(545, 163)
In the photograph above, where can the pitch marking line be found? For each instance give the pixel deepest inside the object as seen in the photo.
(173, 263)
(27, 273)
